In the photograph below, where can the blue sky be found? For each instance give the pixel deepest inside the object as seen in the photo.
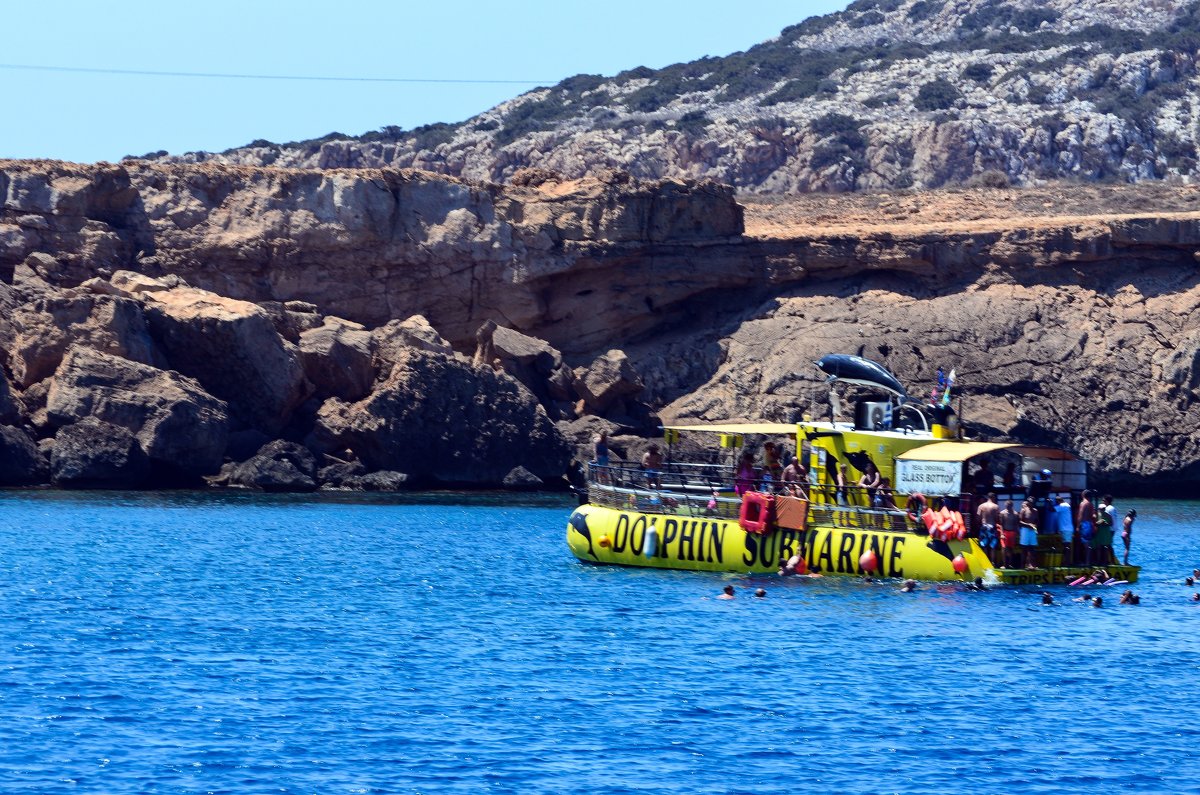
(89, 117)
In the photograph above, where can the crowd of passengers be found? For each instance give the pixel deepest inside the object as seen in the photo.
(1079, 536)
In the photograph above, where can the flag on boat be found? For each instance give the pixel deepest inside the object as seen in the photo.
(949, 385)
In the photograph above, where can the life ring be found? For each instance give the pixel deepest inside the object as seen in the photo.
(754, 516)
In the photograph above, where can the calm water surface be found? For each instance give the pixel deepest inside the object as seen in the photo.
(451, 644)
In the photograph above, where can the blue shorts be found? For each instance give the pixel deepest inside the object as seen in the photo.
(1029, 538)
(1086, 531)
(988, 536)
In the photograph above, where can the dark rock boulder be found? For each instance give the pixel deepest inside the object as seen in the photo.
(607, 381)
(522, 478)
(292, 318)
(337, 359)
(438, 418)
(93, 454)
(10, 406)
(21, 463)
(537, 365)
(382, 481)
(176, 423)
(341, 475)
(278, 466)
(232, 348)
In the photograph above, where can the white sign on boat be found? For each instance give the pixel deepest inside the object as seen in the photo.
(928, 477)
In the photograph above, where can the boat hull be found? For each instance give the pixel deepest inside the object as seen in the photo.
(598, 534)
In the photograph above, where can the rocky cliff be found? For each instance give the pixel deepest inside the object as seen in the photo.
(886, 94)
(278, 328)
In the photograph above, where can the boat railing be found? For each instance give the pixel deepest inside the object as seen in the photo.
(710, 490)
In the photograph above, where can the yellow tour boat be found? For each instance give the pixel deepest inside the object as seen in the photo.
(914, 516)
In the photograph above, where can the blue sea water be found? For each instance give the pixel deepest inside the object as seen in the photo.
(199, 643)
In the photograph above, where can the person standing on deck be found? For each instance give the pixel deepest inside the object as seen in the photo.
(600, 456)
(1010, 534)
(1028, 518)
(1065, 525)
(869, 482)
(743, 479)
(1127, 532)
(771, 462)
(652, 463)
(1085, 525)
(988, 516)
(1106, 521)
(795, 479)
(1039, 492)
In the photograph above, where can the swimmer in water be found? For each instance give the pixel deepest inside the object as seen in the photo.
(1047, 599)
(1196, 597)
(1126, 598)
(909, 586)
(761, 593)
(1098, 602)
(727, 593)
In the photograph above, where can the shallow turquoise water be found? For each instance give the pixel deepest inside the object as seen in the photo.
(446, 643)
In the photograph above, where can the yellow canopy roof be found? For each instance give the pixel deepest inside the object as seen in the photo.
(961, 451)
(951, 451)
(738, 427)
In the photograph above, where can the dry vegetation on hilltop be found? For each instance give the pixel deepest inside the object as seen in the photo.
(957, 209)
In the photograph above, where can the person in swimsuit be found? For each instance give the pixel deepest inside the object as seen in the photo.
(795, 479)
(1066, 529)
(652, 463)
(1028, 518)
(746, 474)
(771, 462)
(600, 455)
(1085, 525)
(988, 514)
(1010, 535)
(1127, 532)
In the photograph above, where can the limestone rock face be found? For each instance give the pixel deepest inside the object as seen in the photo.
(337, 359)
(21, 464)
(1043, 362)
(175, 422)
(232, 348)
(48, 326)
(437, 418)
(720, 314)
(93, 454)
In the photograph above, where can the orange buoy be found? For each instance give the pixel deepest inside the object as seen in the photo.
(605, 542)
(960, 564)
(868, 562)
